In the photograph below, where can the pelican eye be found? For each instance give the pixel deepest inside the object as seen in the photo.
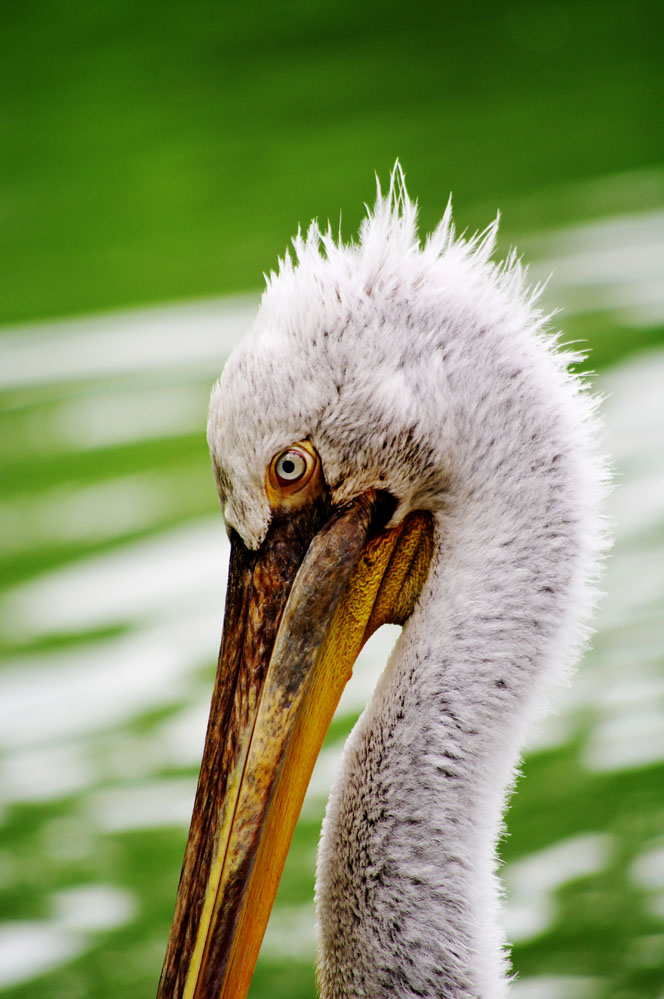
(291, 474)
(290, 467)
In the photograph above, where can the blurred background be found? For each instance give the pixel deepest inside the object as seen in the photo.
(156, 159)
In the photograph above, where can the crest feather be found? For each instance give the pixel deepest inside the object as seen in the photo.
(388, 257)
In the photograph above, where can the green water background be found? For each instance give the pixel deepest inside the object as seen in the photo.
(156, 153)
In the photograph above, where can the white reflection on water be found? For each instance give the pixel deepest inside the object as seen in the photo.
(29, 948)
(52, 697)
(45, 774)
(163, 802)
(614, 264)
(91, 513)
(647, 873)
(137, 413)
(557, 987)
(291, 933)
(180, 572)
(188, 338)
(532, 882)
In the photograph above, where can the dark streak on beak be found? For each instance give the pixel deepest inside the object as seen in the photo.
(259, 583)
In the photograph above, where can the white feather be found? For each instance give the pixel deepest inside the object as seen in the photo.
(427, 370)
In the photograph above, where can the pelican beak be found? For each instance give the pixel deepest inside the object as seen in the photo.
(297, 614)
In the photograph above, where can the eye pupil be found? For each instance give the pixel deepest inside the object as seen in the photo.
(287, 466)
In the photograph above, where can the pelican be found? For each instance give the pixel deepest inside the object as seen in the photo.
(398, 439)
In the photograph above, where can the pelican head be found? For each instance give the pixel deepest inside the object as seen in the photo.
(397, 439)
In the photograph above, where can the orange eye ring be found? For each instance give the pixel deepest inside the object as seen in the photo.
(290, 472)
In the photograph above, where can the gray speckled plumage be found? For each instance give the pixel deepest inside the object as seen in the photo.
(426, 370)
